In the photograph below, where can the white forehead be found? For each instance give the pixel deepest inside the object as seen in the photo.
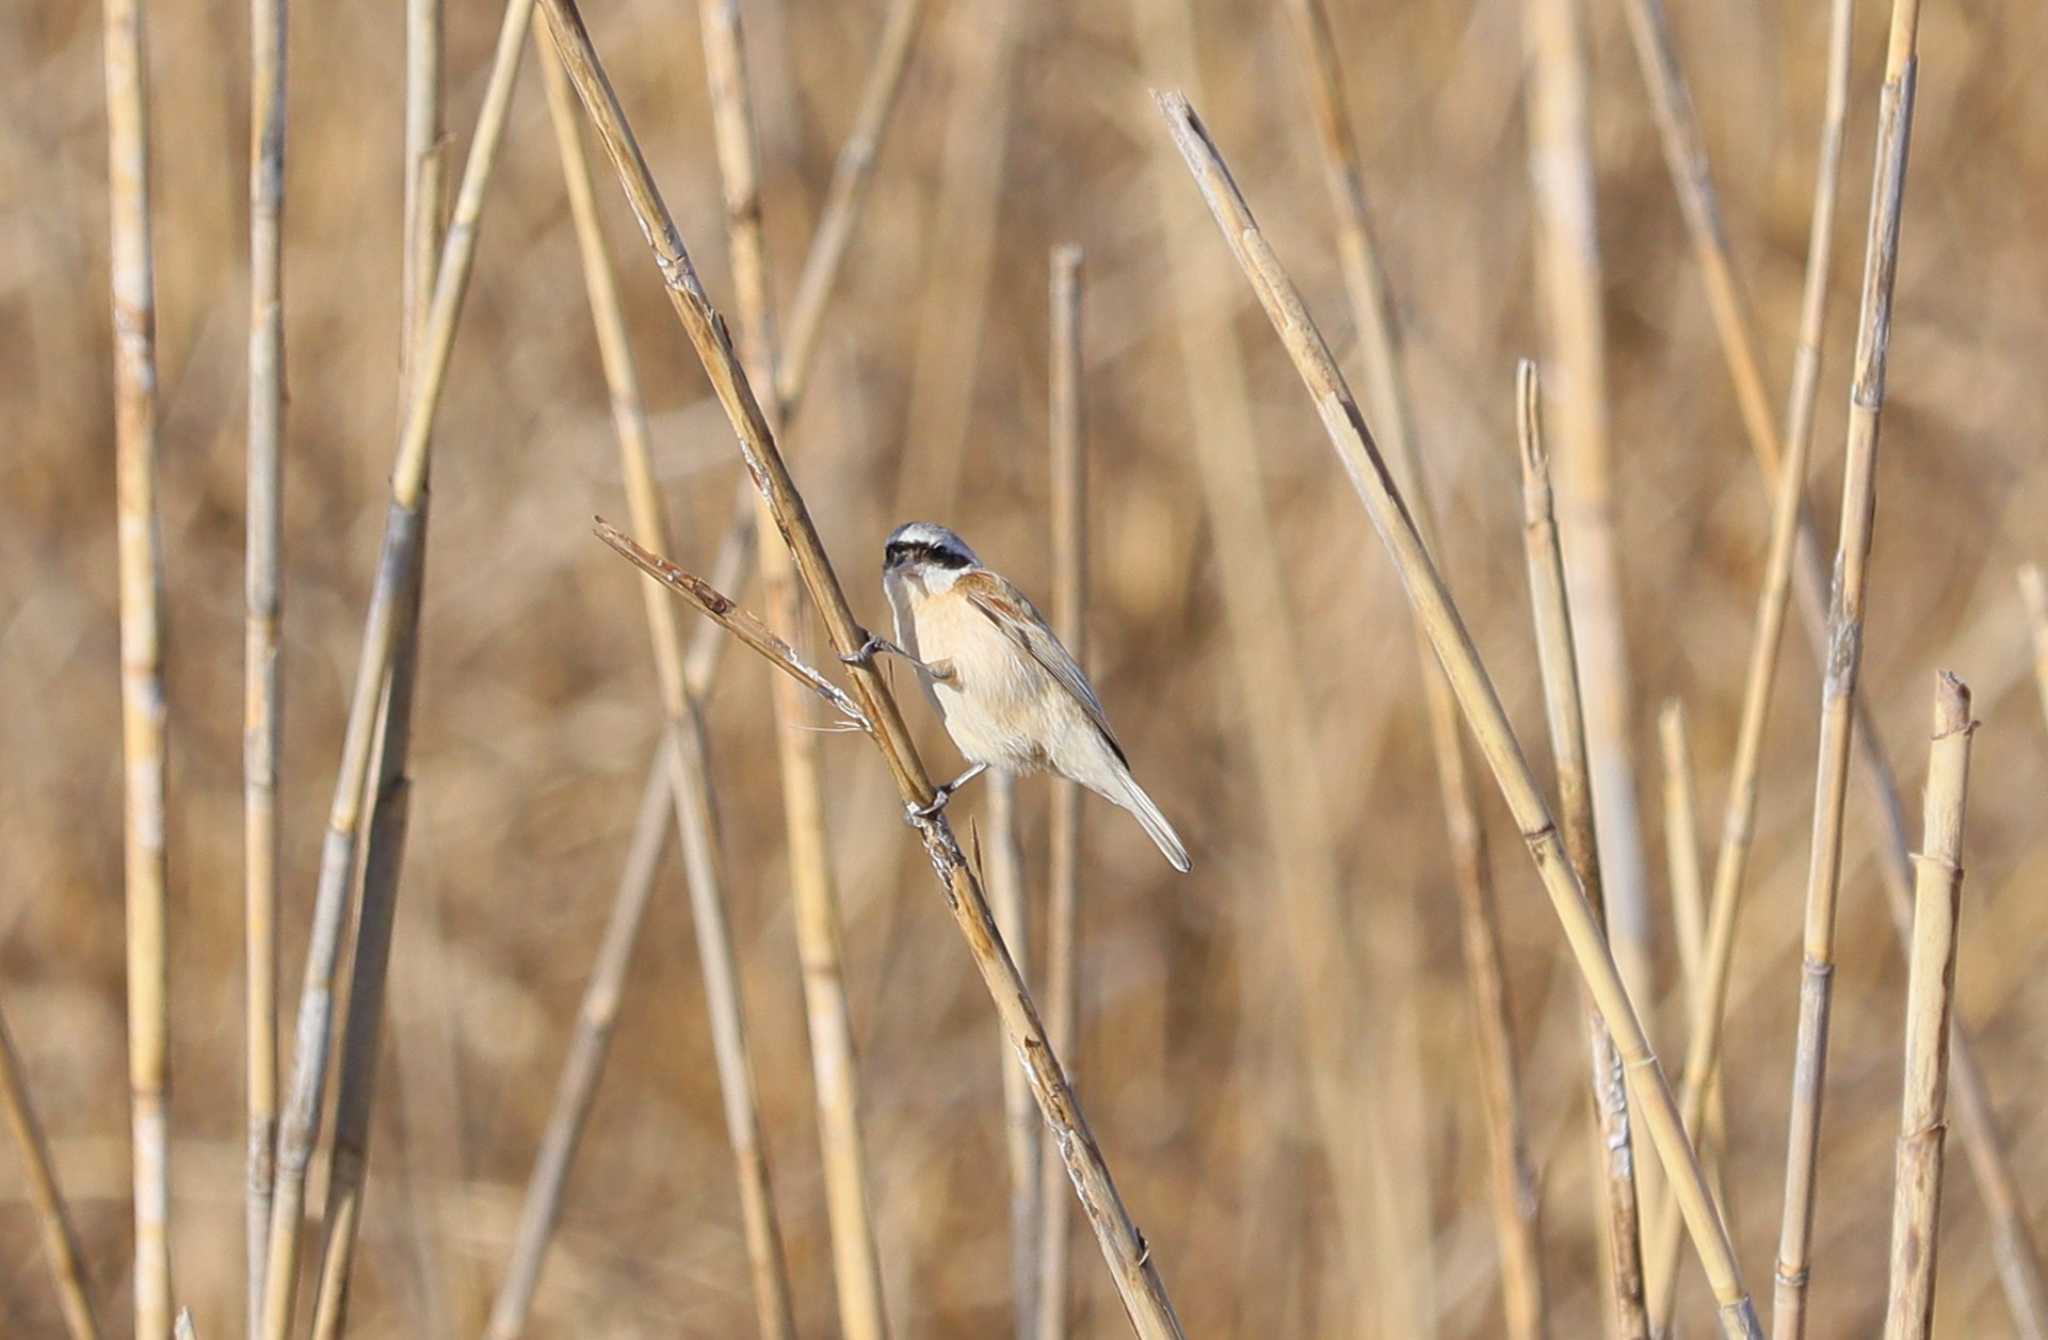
(938, 537)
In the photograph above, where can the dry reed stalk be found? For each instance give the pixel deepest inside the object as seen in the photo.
(1838, 691)
(856, 1261)
(263, 713)
(1130, 1260)
(60, 1239)
(2034, 595)
(852, 172)
(686, 782)
(1568, 263)
(1003, 871)
(1558, 661)
(1351, 1119)
(1689, 921)
(388, 796)
(1476, 696)
(1067, 422)
(398, 564)
(1516, 1208)
(184, 1329)
(1707, 1003)
(1930, 998)
(143, 709)
(577, 1088)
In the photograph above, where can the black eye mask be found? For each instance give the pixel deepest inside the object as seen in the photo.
(905, 552)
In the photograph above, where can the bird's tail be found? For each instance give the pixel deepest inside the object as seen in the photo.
(1133, 798)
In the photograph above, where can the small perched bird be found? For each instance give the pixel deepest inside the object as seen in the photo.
(1010, 694)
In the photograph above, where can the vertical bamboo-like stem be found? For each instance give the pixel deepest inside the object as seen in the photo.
(1689, 921)
(388, 796)
(1568, 267)
(1352, 1119)
(143, 711)
(1356, 449)
(2034, 595)
(60, 1239)
(1558, 661)
(857, 1268)
(1838, 690)
(1130, 1260)
(1930, 998)
(397, 567)
(1516, 1209)
(1707, 1003)
(263, 674)
(1067, 417)
(1003, 867)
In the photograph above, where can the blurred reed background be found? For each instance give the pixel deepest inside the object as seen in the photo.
(1290, 1180)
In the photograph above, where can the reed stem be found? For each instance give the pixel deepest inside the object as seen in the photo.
(60, 1239)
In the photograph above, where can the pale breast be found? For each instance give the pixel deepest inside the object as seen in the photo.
(997, 700)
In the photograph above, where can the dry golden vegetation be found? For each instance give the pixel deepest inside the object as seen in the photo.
(747, 1082)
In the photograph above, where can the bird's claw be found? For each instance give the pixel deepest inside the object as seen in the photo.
(865, 654)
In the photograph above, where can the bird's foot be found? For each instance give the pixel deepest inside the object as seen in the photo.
(919, 815)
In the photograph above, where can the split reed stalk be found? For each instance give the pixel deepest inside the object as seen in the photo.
(397, 567)
(1068, 423)
(1557, 659)
(584, 1064)
(60, 1239)
(263, 671)
(1689, 923)
(143, 709)
(1516, 1208)
(856, 1261)
(1476, 696)
(1136, 1276)
(852, 171)
(1557, 89)
(1352, 1120)
(184, 1330)
(688, 785)
(1838, 690)
(1930, 999)
(1003, 869)
(1708, 1002)
(388, 796)
(2034, 595)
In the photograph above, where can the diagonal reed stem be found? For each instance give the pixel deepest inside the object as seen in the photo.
(60, 1239)
(143, 709)
(1136, 1277)
(1476, 696)
(397, 567)
(1516, 1208)
(1845, 655)
(856, 1261)
(1930, 999)
(1557, 658)
(1067, 419)
(263, 671)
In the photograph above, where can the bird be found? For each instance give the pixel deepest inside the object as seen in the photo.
(1010, 694)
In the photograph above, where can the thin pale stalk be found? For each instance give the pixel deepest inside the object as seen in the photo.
(1516, 1208)
(1353, 1121)
(1558, 661)
(1651, 1096)
(1557, 88)
(2034, 595)
(1003, 864)
(1838, 689)
(404, 536)
(1067, 418)
(576, 1091)
(60, 1239)
(1136, 1277)
(143, 710)
(184, 1330)
(856, 1261)
(389, 798)
(263, 672)
(1930, 1002)
(1689, 921)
